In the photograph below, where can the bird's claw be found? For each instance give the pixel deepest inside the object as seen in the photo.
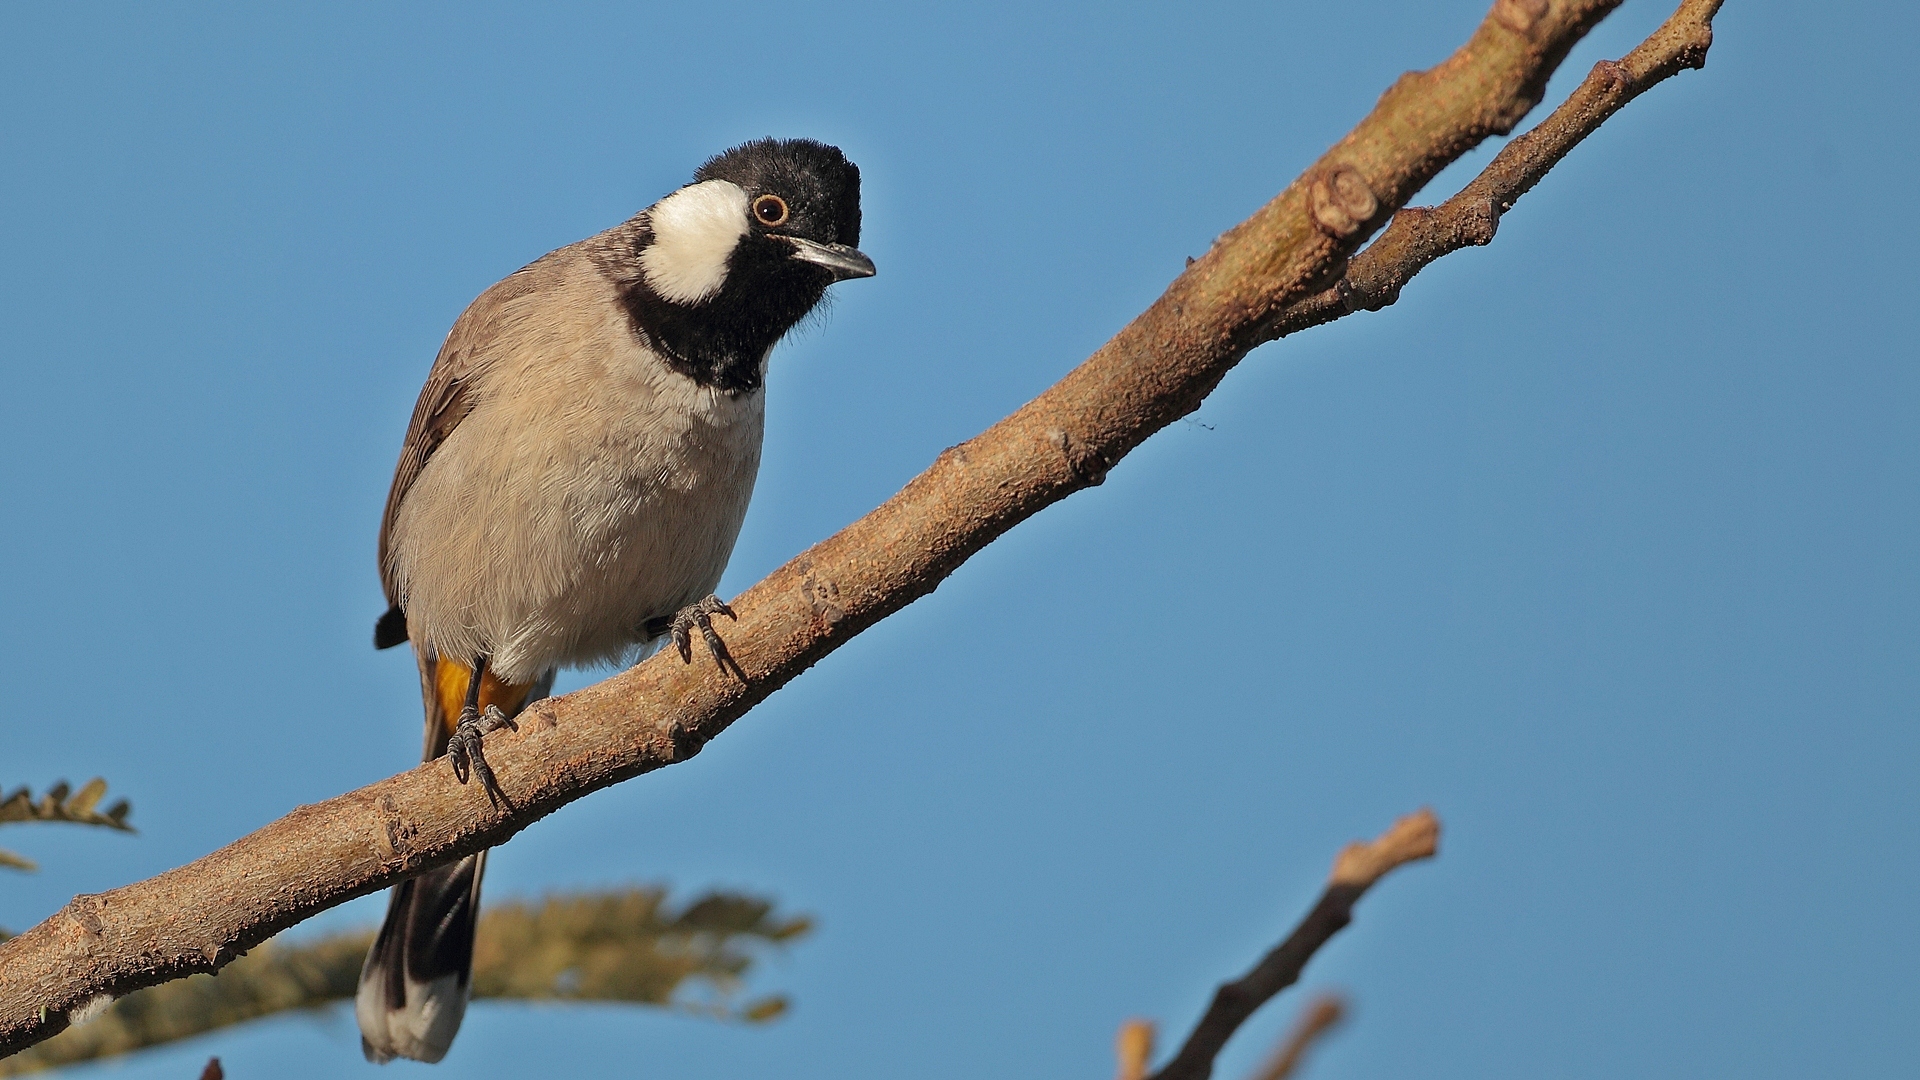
(701, 615)
(464, 748)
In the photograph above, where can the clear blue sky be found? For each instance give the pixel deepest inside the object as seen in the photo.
(1600, 542)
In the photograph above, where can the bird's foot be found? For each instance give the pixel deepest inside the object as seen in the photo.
(463, 749)
(700, 614)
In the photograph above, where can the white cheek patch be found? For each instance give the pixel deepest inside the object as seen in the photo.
(694, 231)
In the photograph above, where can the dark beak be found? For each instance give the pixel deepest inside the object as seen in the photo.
(841, 261)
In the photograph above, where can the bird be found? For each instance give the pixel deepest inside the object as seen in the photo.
(571, 485)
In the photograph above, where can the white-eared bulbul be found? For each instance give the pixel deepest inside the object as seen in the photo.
(571, 486)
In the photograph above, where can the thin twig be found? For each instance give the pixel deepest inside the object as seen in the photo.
(1416, 836)
(1419, 235)
(1133, 1048)
(1321, 1015)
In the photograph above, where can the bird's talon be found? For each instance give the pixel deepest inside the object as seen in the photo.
(700, 614)
(494, 720)
(465, 753)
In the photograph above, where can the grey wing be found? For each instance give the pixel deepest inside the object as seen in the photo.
(449, 395)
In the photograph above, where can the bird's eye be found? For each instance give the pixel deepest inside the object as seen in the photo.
(770, 210)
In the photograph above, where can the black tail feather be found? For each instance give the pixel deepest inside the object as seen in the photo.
(417, 976)
(419, 972)
(391, 630)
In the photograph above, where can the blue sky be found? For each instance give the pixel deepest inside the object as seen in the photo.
(1599, 542)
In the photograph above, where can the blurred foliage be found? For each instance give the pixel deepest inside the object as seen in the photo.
(57, 805)
(628, 945)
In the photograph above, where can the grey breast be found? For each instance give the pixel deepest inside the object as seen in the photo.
(589, 489)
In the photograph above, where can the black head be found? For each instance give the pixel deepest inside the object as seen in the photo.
(818, 185)
(729, 263)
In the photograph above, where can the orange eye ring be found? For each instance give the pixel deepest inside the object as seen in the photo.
(770, 210)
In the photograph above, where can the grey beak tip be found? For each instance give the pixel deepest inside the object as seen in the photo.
(844, 261)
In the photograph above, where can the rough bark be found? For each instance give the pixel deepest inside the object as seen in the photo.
(1158, 368)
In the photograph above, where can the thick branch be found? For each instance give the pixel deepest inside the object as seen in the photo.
(1420, 235)
(1157, 369)
(1416, 836)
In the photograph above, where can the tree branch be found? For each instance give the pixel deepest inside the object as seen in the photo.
(1416, 836)
(1420, 235)
(1158, 368)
